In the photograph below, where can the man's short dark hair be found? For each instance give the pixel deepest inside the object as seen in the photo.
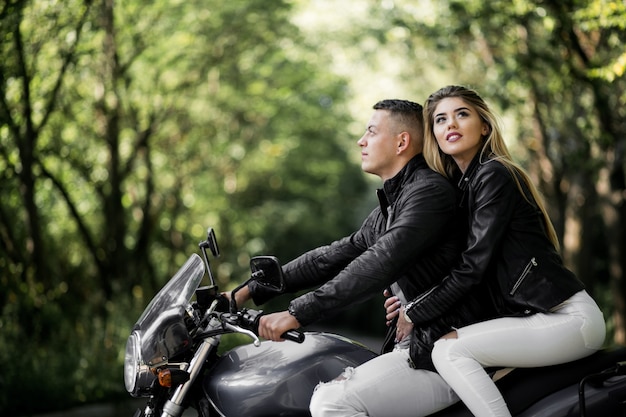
(396, 105)
(408, 113)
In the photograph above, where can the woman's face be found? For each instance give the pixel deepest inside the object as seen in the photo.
(459, 129)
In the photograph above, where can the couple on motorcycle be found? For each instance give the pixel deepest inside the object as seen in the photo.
(474, 270)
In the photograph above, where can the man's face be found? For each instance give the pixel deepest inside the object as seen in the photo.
(379, 146)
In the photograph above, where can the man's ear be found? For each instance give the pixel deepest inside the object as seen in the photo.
(404, 142)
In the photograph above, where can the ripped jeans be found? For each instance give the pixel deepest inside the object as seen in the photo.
(572, 330)
(382, 387)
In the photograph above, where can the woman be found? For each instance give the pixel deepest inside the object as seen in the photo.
(545, 316)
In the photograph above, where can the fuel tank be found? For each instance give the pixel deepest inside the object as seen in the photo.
(278, 378)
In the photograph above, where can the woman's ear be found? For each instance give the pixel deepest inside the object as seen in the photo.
(486, 129)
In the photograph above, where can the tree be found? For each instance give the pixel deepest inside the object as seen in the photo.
(556, 69)
(128, 128)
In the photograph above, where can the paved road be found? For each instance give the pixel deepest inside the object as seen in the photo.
(122, 409)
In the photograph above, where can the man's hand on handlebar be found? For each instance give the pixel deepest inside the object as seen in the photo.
(273, 326)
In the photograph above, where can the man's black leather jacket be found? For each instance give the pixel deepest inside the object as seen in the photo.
(508, 250)
(413, 237)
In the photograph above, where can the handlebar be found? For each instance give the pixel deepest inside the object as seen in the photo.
(249, 319)
(293, 335)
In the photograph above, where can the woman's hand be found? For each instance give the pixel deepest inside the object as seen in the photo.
(403, 327)
(393, 310)
(392, 307)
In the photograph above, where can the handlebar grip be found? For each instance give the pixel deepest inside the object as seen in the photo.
(293, 335)
(250, 320)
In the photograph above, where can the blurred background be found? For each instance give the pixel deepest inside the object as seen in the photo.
(127, 128)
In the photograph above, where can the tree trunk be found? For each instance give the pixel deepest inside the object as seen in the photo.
(613, 212)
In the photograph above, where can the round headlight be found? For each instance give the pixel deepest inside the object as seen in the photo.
(137, 375)
(131, 362)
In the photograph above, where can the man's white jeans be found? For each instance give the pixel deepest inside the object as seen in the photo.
(572, 330)
(382, 387)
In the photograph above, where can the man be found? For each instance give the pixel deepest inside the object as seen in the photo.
(407, 244)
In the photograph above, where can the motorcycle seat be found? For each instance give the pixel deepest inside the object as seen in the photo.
(524, 387)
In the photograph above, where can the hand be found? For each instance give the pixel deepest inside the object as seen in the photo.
(403, 327)
(241, 296)
(272, 326)
(392, 307)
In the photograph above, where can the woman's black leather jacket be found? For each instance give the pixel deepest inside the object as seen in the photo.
(413, 237)
(508, 250)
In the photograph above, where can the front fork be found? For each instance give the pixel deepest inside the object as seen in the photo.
(173, 407)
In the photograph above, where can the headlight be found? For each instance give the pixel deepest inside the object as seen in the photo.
(137, 375)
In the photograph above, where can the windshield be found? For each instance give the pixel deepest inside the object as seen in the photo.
(161, 326)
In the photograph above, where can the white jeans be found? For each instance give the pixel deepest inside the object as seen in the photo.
(572, 330)
(382, 387)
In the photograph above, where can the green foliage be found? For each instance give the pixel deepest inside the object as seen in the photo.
(125, 132)
(555, 71)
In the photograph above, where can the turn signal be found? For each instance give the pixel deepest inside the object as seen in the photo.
(165, 378)
(172, 377)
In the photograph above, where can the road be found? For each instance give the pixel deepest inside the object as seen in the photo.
(122, 409)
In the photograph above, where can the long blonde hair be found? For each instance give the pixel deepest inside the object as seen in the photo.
(494, 147)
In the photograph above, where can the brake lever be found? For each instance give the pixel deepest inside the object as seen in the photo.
(255, 339)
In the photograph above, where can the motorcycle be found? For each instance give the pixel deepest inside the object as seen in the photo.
(172, 359)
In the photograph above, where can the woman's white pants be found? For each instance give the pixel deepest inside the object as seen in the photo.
(570, 331)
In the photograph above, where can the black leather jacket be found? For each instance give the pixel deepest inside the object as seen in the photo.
(508, 249)
(413, 237)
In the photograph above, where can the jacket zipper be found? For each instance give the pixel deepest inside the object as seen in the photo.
(525, 272)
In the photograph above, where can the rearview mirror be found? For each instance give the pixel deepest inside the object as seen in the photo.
(267, 271)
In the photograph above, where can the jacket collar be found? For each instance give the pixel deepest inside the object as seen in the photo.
(392, 187)
(471, 170)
